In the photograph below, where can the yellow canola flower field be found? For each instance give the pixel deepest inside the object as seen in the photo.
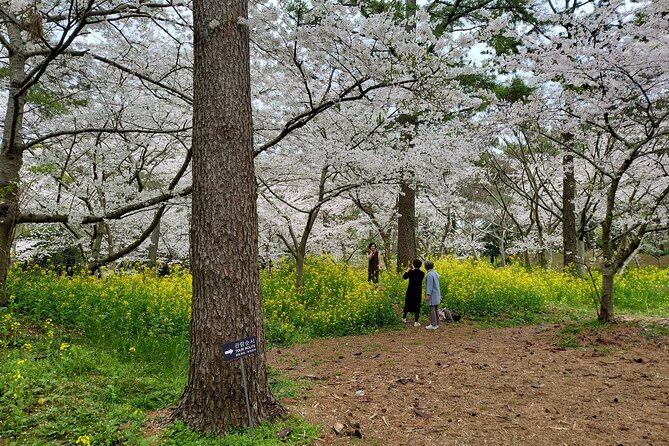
(335, 299)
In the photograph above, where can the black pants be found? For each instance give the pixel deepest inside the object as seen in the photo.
(373, 275)
(416, 313)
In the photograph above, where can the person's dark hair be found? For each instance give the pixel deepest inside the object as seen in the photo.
(370, 245)
(417, 263)
(429, 264)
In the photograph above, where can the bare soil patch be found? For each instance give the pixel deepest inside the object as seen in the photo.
(460, 385)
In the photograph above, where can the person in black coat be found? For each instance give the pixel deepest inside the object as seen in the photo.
(412, 300)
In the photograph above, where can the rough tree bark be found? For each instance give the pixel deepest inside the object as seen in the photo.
(608, 252)
(11, 156)
(406, 233)
(569, 238)
(224, 231)
(406, 202)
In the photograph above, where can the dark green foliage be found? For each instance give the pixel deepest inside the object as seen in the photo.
(516, 91)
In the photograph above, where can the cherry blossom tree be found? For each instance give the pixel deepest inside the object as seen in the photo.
(64, 64)
(603, 80)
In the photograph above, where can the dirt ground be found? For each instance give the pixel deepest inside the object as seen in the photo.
(460, 385)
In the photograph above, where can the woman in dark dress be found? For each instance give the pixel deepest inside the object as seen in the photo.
(373, 263)
(413, 297)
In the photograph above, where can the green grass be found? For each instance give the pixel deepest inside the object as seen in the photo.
(57, 387)
(265, 435)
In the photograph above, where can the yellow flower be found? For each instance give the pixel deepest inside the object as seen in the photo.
(64, 346)
(132, 349)
(27, 347)
(84, 440)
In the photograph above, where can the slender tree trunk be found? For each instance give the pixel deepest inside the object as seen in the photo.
(569, 238)
(606, 308)
(153, 245)
(608, 260)
(406, 233)
(632, 258)
(502, 249)
(11, 154)
(580, 259)
(541, 254)
(299, 270)
(224, 232)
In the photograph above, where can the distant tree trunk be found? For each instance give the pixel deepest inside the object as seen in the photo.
(11, 153)
(580, 260)
(96, 240)
(526, 259)
(541, 258)
(569, 239)
(502, 249)
(153, 245)
(623, 267)
(541, 254)
(406, 233)
(224, 232)
(386, 233)
(386, 239)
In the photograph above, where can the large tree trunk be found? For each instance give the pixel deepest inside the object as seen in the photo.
(406, 233)
(569, 239)
(224, 232)
(10, 164)
(11, 154)
(406, 202)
